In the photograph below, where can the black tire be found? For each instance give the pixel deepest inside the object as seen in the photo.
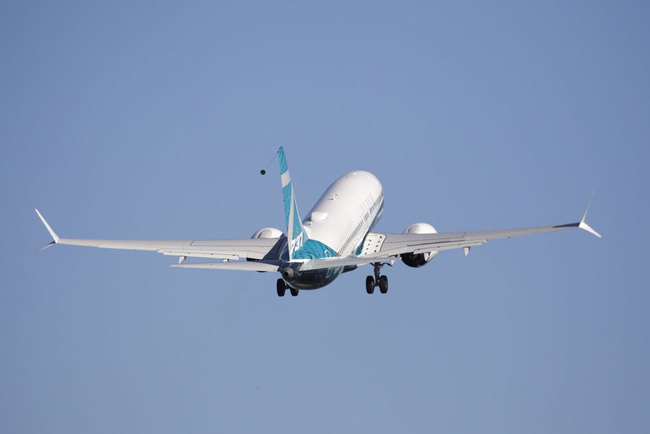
(281, 287)
(370, 285)
(383, 284)
(294, 291)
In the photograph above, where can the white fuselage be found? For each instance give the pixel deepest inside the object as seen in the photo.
(340, 220)
(346, 211)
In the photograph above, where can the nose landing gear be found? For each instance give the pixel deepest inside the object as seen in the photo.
(379, 280)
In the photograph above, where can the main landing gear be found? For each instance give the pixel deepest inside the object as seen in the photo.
(282, 287)
(378, 280)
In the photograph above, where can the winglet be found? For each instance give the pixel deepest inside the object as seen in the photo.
(583, 225)
(48, 227)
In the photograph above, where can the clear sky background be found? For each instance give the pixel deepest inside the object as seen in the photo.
(151, 120)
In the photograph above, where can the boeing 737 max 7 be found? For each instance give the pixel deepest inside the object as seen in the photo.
(335, 238)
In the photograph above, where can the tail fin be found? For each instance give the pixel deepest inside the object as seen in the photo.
(295, 232)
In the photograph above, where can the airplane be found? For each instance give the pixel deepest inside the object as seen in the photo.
(335, 238)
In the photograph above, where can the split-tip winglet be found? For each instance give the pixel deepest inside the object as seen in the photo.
(583, 224)
(48, 227)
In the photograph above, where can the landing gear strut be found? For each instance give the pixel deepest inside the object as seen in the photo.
(378, 280)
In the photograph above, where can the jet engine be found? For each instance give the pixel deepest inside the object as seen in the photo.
(416, 260)
(267, 233)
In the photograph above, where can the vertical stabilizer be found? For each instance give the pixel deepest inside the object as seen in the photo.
(295, 232)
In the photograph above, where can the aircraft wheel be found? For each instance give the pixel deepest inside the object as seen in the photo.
(383, 284)
(370, 285)
(294, 291)
(281, 287)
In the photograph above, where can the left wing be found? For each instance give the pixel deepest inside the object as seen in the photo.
(258, 248)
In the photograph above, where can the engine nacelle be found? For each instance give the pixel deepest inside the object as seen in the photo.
(267, 233)
(416, 260)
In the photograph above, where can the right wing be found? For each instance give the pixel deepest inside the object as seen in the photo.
(382, 247)
(395, 244)
(258, 248)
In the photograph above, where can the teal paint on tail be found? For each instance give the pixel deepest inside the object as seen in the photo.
(295, 231)
(300, 246)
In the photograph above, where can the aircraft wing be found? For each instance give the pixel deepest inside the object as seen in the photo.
(259, 248)
(382, 247)
(395, 244)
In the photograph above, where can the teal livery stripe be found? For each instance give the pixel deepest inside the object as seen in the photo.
(300, 246)
(295, 233)
(283, 161)
(312, 249)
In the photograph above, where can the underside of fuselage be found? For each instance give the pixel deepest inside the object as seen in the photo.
(313, 279)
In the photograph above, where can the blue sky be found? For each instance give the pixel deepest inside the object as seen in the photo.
(151, 120)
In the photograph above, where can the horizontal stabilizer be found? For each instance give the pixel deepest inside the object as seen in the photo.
(318, 264)
(230, 265)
